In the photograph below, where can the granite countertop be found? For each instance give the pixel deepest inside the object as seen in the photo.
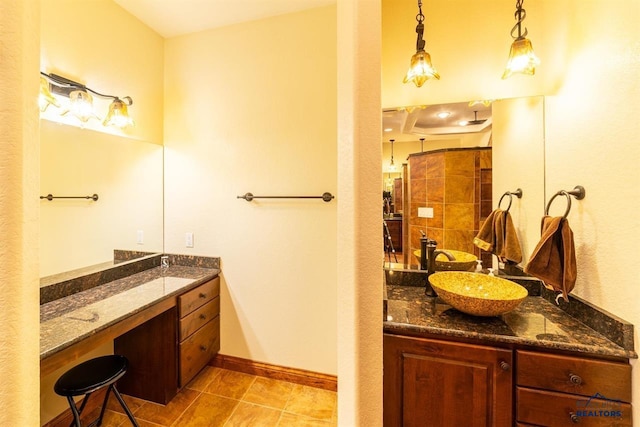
(70, 319)
(536, 322)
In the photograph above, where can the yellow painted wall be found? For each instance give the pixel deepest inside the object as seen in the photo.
(518, 159)
(252, 108)
(591, 132)
(469, 45)
(19, 35)
(99, 44)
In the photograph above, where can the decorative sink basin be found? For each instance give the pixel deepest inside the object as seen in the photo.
(477, 294)
(464, 261)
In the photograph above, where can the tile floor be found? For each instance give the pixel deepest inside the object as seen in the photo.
(220, 397)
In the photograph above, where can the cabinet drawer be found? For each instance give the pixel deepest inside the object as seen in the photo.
(197, 350)
(546, 408)
(194, 320)
(574, 375)
(195, 298)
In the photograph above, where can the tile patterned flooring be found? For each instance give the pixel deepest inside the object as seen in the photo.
(220, 397)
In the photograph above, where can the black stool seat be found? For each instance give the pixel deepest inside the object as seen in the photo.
(89, 377)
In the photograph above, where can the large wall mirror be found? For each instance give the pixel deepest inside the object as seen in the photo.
(125, 173)
(483, 151)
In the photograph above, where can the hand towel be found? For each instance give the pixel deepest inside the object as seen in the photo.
(486, 237)
(507, 243)
(554, 259)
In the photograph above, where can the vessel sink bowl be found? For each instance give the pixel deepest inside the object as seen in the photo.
(464, 261)
(477, 294)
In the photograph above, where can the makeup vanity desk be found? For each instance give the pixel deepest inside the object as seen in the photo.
(164, 320)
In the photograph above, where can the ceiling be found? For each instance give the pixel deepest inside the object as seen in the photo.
(171, 18)
(410, 123)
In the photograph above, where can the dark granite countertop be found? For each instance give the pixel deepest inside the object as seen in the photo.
(72, 318)
(536, 322)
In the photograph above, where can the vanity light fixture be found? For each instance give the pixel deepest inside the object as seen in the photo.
(522, 59)
(46, 98)
(392, 166)
(421, 69)
(81, 100)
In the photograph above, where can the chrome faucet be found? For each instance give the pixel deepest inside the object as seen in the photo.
(428, 254)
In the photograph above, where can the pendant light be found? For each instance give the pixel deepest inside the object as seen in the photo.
(421, 69)
(522, 59)
(392, 166)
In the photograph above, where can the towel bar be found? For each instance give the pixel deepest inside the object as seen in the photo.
(517, 193)
(578, 192)
(50, 197)
(327, 197)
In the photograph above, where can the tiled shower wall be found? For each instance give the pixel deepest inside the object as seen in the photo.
(456, 184)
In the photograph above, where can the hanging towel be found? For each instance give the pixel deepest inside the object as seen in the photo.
(486, 237)
(554, 259)
(498, 236)
(507, 243)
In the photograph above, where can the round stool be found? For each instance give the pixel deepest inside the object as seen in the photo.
(91, 376)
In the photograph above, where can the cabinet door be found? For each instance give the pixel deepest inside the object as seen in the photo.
(443, 384)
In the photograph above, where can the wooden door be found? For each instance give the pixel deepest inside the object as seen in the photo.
(442, 384)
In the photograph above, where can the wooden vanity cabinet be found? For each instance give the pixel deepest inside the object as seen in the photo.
(199, 330)
(437, 383)
(448, 384)
(560, 390)
(166, 352)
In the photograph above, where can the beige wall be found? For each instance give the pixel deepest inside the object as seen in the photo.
(19, 30)
(98, 43)
(518, 158)
(252, 108)
(591, 131)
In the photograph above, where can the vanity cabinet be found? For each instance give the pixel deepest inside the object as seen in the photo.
(166, 352)
(438, 383)
(199, 330)
(560, 390)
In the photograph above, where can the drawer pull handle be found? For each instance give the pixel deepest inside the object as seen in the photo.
(504, 366)
(574, 418)
(202, 295)
(203, 316)
(575, 379)
(203, 348)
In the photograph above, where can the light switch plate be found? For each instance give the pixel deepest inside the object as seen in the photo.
(425, 212)
(188, 240)
(140, 237)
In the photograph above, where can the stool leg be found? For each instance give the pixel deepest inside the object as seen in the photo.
(104, 405)
(124, 406)
(74, 410)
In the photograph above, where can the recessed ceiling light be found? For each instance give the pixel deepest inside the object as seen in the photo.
(388, 129)
(444, 114)
(463, 122)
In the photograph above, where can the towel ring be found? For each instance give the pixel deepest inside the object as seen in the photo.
(578, 192)
(517, 193)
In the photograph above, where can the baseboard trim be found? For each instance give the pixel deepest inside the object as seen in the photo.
(65, 418)
(298, 376)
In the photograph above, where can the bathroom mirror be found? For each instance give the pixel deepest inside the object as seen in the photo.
(513, 128)
(125, 173)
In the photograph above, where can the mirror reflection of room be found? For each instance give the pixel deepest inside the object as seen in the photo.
(443, 188)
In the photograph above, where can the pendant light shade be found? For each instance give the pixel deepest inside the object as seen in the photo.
(522, 58)
(81, 105)
(421, 68)
(46, 98)
(118, 115)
